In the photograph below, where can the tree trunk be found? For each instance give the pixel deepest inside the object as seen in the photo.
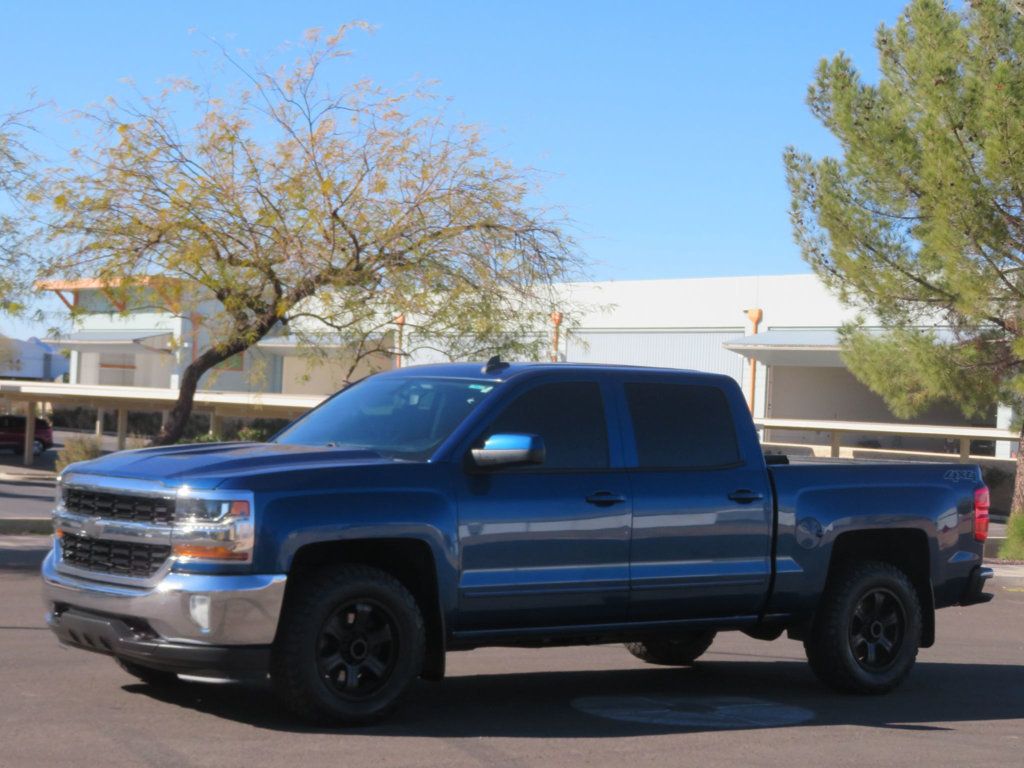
(174, 426)
(1017, 505)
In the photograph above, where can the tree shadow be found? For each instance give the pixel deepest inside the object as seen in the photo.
(540, 704)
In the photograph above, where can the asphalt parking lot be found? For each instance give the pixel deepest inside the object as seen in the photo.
(748, 703)
(28, 492)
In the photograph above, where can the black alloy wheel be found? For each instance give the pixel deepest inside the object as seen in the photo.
(877, 629)
(351, 641)
(867, 629)
(357, 649)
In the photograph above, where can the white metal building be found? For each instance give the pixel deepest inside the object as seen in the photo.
(149, 344)
(704, 324)
(31, 359)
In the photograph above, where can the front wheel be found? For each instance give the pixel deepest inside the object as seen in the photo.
(351, 642)
(868, 630)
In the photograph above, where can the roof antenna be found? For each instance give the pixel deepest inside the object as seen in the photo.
(494, 365)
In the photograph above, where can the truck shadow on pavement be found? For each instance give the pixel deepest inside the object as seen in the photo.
(716, 695)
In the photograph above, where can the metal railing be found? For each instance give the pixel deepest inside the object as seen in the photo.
(838, 428)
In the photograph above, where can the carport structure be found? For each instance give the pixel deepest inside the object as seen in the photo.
(125, 399)
(802, 378)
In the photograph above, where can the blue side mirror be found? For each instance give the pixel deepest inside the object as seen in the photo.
(504, 450)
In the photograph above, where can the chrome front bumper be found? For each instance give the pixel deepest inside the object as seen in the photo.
(242, 610)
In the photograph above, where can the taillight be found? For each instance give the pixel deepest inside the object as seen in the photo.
(981, 507)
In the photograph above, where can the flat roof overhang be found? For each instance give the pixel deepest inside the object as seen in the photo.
(159, 399)
(291, 345)
(148, 342)
(288, 344)
(808, 349)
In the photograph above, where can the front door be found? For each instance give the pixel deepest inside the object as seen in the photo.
(547, 545)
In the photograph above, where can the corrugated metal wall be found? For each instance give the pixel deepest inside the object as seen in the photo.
(698, 350)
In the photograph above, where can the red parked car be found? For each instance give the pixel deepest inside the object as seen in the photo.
(12, 434)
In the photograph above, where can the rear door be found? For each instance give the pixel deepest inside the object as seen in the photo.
(702, 523)
(547, 545)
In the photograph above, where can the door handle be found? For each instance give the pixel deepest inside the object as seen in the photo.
(605, 498)
(744, 496)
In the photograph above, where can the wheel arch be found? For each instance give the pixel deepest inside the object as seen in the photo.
(905, 548)
(410, 560)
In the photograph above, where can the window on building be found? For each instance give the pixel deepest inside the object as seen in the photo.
(681, 426)
(569, 416)
(117, 369)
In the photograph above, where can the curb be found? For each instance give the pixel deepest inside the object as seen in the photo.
(14, 477)
(1009, 578)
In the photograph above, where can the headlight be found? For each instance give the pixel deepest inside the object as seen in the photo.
(212, 527)
(190, 509)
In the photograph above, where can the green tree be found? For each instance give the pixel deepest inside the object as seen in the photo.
(288, 201)
(920, 221)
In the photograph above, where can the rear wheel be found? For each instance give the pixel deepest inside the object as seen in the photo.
(350, 644)
(677, 650)
(155, 677)
(867, 633)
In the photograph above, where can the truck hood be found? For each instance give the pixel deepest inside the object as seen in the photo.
(206, 465)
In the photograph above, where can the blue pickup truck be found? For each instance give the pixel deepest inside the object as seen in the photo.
(440, 508)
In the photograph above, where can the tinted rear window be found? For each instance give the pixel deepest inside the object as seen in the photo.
(681, 425)
(570, 418)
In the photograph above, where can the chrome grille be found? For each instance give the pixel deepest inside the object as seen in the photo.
(118, 506)
(121, 558)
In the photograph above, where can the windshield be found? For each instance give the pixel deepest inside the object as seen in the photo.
(402, 417)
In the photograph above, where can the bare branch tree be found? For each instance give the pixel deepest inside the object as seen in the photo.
(295, 205)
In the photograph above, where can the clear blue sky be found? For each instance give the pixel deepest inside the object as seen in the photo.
(661, 124)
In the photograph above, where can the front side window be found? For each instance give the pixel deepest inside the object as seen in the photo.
(569, 416)
(397, 416)
(681, 426)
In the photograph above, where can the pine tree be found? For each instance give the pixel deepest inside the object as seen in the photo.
(920, 222)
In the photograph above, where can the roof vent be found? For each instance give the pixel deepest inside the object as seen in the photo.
(494, 365)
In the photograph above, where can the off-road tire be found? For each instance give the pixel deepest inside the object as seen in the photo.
(158, 678)
(316, 633)
(840, 640)
(677, 650)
